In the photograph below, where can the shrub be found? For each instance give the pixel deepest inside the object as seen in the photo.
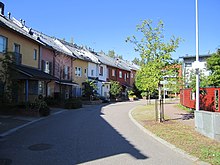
(41, 106)
(73, 103)
(51, 101)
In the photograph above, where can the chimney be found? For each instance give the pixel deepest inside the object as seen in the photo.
(2, 8)
(9, 15)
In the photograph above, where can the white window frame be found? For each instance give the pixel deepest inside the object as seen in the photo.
(120, 74)
(113, 72)
(3, 44)
(78, 71)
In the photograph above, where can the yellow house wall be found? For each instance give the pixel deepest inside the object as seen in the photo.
(83, 65)
(27, 47)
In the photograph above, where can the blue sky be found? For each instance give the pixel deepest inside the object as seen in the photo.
(105, 24)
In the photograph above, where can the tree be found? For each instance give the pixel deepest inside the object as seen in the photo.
(154, 52)
(6, 77)
(90, 89)
(111, 53)
(203, 80)
(213, 64)
(136, 61)
(115, 89)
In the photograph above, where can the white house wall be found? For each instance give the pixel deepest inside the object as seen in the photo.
(94, 67)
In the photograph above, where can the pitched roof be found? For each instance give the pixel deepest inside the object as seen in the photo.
(18, 27)
(52, 42)
(76, 50)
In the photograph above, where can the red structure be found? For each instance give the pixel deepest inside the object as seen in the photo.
(209, 99)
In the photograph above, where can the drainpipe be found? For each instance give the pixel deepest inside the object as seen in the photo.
(26, 90)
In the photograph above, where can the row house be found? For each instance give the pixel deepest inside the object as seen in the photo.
(80, 67)
(56, 60)
(26, 54)
(51, 67)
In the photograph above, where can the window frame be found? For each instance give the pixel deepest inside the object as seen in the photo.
(6, 44)
(35, 55)
(120, 74)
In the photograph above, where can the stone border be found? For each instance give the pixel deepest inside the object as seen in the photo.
(171, 146)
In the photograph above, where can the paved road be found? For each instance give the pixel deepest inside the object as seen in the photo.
(93, 135)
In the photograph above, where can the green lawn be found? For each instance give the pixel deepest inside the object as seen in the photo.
(180, 135)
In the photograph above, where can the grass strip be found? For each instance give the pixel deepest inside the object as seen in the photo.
(182, 136)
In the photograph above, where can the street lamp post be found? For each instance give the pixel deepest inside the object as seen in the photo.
(197, 57)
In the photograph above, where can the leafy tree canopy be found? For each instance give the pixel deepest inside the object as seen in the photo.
(213, 64)
(115, 89)
(155, 54)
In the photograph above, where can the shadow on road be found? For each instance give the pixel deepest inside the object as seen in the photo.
(98, 139)
(75, 136)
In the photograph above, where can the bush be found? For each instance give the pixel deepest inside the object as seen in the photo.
(73, 103)
(51, 101)
(42, 107)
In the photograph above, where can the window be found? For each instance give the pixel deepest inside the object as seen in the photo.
(33, 88)
(188, 64)
(92, 72)
(101, 70)
(35, 54)
(3, 44)
(132, 75)
(41, 87)
(125, 76)
(85, 72)
(120, 74)
(66, 72)
(78, 71)
(47, 67)
(17, 55)
(113, 72)
(16, 48)
(192, 95)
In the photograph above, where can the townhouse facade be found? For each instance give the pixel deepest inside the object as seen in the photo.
(25, 51)
(52, 67)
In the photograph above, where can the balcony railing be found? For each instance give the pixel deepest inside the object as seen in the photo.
(17, 57)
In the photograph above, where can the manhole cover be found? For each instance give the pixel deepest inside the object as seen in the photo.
(39, 147)
(5, 161)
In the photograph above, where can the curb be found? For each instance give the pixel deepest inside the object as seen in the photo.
(171, 146)
(2, 135)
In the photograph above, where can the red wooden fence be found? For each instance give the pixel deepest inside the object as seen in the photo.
(209, 99)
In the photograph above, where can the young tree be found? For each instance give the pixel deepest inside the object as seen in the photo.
(90, 89)
(155, 54)
(213, 64)
(115, 89)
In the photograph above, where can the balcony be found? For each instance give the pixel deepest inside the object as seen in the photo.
(17, 58)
